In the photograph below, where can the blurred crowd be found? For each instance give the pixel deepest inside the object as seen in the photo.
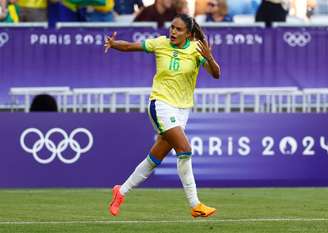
(159, 11)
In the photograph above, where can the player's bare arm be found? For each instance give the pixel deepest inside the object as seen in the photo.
(121, 45)
(211, 66)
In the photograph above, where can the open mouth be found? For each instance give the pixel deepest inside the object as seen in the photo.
(172, 38)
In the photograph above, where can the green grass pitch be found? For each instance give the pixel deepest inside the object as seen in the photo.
(164, 210)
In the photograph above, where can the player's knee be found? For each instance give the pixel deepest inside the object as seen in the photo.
(183, 152)
(183, 149)
(153, 160)
(183, 155)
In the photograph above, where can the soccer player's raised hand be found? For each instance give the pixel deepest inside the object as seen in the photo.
(204, 49)
(109, 41)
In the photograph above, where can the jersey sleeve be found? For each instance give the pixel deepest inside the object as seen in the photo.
(202, 60)
(150, 45)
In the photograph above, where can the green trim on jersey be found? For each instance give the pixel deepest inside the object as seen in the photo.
(186, 45)
(143, 44)
(202, 61)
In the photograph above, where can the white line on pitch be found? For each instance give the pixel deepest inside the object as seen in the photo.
(166, 221)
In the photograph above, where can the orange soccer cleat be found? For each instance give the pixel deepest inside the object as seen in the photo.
(202, 210)
(117, 201)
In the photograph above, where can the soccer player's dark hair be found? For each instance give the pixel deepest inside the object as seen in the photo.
(198, 32)
(193, 27)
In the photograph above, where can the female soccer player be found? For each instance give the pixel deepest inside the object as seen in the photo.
(178, 60)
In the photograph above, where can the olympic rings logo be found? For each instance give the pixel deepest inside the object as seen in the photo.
(4, 37)
(141, 36)
(300, 39)
(56, 150)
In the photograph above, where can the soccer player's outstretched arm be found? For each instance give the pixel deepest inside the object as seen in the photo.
(211, 66)
(121, 45)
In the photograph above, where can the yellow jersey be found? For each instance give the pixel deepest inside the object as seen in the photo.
(33, 3)
(176, 71)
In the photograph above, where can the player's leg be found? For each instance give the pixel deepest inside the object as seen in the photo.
(158, 112)
(178, 140)
(157, 153)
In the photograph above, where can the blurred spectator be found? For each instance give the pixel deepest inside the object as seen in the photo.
(272, 11)
(3, 10)
(243, 7)
(160, 12)
(181, 7)
(322, 7)
(148, 2)
(201, 7)
(33, 10)
(126, 7)
(101, 13)
(218, 11)
(311, 4)
(235, 7)
(63, 11)
(8, 11)
(302, 9)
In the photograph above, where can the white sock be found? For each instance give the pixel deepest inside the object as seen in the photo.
(140, 174)
(188, 181)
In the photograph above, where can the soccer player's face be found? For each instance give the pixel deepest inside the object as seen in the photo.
(178, 32)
